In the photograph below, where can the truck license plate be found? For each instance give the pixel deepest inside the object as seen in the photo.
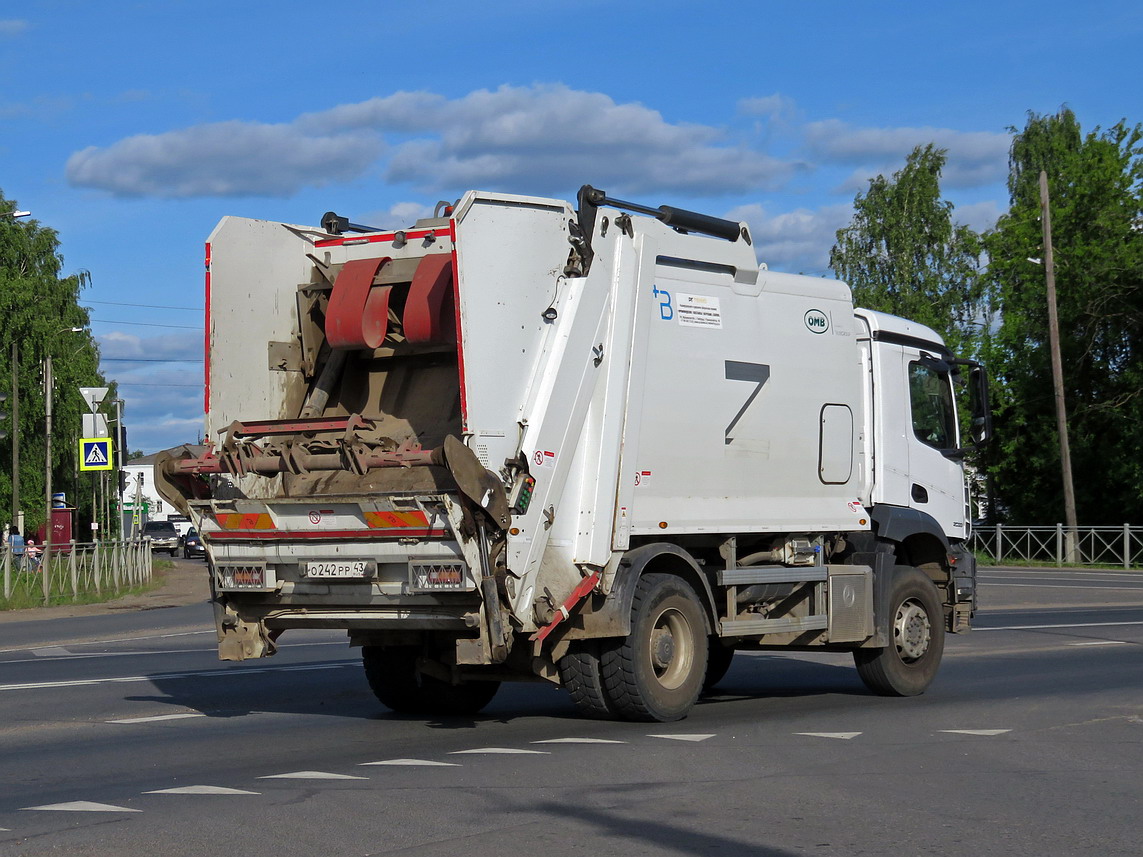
(340, 568)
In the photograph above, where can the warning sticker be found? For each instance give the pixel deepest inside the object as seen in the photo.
(543, 458)
(698, 311)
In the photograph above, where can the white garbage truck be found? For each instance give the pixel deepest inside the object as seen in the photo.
(599, 446)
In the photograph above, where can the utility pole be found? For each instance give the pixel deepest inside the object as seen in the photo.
(45, 556)
(1058, 374)
(16, 522)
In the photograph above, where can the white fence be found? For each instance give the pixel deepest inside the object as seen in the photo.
(73, 570)
(1055, 545)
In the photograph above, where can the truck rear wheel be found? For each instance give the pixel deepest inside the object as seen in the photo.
(908, 665)
(581, 673)
(656, 673)
(398, 684)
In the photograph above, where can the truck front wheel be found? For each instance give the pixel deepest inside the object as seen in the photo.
(909, 663)
(656, 673)
(398, 684)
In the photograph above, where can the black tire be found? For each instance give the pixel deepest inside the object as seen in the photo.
(398, 685)
(581, 673)
(909, 664)
(656, 673)
(717, 663)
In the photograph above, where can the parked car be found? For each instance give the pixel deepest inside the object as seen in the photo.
(163, 536)
(192, 544)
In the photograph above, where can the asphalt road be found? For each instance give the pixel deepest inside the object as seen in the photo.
(121, 734)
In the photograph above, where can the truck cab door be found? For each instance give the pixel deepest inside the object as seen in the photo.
(936, 474)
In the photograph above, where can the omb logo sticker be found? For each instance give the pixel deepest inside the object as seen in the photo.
(817, 321)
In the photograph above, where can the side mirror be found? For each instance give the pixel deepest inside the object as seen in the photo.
(979, 406)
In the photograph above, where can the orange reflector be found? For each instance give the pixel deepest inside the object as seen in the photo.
(390, 520)
(244, 521)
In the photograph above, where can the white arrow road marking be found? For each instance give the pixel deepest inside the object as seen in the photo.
(500, 750)
(579, 741)
(844, 736)
(988, 733)
(201, 790)
(311, 775)
(80, 806)
(158, 718)
(414, 762)
(695, 737)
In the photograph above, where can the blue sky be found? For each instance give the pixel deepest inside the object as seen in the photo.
(132, 127)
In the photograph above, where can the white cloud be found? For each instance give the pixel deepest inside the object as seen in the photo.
(980, 216)
(774, 106)
(118, 345)
(797, 241)
(975, 158)
(534, 139)
(223, 159)
(12, 27)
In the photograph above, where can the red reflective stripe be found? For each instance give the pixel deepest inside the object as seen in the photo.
(318, 535)
(206, 341)
(395, 519)
(244, 521)
(380, 237)
(459, 339)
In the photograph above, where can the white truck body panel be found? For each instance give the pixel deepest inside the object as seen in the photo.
(662, 391)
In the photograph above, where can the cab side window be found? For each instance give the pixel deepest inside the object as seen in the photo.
(931, 402)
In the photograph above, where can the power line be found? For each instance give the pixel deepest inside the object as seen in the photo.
(121, 384)
(146, 324)
(148, 306)
(151, 359)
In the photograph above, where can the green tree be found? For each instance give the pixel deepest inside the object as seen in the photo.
(40, 306)
(903, 254)
(1096, 187)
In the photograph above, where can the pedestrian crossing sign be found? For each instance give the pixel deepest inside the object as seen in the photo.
(95, 453)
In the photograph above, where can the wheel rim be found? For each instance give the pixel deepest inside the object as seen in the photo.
(911, 631)
(672, 649)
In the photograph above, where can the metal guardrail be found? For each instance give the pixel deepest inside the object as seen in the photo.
(73, 570)
(1122, 545)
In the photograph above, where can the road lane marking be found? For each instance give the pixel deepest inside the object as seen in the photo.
(114, 640)
(1082, 586)
(579, 741)
(91, 682)
(51, 652)
(1102, 643)
(201, 790)
(684, 737)
(311, 775)
(79, 806)
(1052, 627)
(158, 718)
(985, 733)
(505, 751)
(101, 642)
(425, 763)
(844, 736)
